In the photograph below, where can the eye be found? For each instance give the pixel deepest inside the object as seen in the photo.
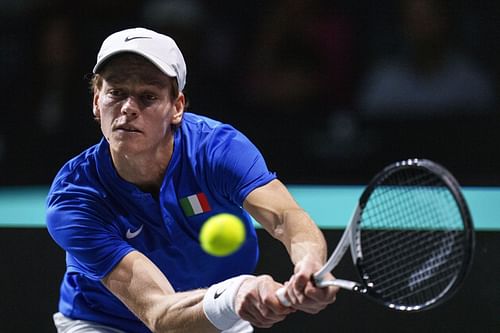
(115, 92)
(150, 97)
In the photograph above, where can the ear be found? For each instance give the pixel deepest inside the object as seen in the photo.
(179, 105)
(95, 105)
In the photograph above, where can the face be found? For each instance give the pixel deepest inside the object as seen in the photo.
(134, 106)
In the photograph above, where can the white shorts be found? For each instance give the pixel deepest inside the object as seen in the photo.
(68, 325)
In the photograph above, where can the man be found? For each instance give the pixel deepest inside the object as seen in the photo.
(134, 263)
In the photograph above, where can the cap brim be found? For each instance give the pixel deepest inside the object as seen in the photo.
(166, 69)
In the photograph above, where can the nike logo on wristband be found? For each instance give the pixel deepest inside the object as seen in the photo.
(218, 293)
(128, 38)
(132, 234)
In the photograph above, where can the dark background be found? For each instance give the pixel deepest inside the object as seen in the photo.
(31, 275)
(293, 76)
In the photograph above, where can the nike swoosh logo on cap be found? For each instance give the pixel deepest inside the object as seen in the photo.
(128, 38)
(132, 234)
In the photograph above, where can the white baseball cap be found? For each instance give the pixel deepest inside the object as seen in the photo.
(160, 49)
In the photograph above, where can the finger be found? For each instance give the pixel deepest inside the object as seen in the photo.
(299, 287)
(314, 303)
(252, 319)
(271, 312)
(312, 308)
(270, 300)
(288, 294)
(274, 304)
(291, 294)
(264, 308)
(300, 281)
(251, 313)
(324, 295)
(261, 316)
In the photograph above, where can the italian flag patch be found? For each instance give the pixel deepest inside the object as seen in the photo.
(195, 204)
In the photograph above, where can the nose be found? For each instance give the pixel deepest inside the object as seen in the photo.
(130, 107)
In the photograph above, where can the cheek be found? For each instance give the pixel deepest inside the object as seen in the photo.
(105, 121)
(160, 127)
(105, 101)
(161, 117)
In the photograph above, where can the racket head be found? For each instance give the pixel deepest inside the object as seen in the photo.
(413, 240)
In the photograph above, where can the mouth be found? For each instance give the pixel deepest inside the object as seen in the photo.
(127, 128)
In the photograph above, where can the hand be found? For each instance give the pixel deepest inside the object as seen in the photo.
(257, 303)
(301, 291)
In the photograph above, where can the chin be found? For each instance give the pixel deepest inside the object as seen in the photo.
(125, 146)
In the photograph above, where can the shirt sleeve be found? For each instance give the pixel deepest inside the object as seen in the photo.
(236, 165)
(80, 224)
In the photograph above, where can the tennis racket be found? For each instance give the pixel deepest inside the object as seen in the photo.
(411, 238)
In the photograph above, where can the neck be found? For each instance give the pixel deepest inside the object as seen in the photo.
(146, 169)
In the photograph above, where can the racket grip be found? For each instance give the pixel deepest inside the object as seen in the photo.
(280, 293)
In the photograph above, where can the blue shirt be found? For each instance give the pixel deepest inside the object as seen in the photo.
(97, 217)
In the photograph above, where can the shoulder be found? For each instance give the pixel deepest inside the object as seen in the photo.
(77, 198)
(78, 175)
(205, 132)
(194, 123)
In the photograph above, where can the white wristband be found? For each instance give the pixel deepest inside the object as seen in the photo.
(218, 302)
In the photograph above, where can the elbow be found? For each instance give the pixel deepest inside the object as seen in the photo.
(286, 222)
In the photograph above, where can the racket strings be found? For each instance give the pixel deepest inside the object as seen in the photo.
(424, 294)
(391, 248)
(417, 249)
(389, 287)
(411, 238)
(406, 241)
(395, 280)
(411, 198)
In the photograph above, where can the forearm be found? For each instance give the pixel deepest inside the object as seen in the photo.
(273, 206)
(148, 294)
(276, 210)
(180, 312)
(301, 236)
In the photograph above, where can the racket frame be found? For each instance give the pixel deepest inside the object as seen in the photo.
(350, 238)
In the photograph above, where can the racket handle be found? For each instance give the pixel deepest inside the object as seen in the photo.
(280, 293)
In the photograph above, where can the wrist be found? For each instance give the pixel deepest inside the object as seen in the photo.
(218, 302)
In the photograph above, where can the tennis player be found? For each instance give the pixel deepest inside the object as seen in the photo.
(128, 210)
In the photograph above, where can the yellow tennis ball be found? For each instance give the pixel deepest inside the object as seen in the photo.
(222, 234)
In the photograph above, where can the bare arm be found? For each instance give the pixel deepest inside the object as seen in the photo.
(142, 287)
(276, 210)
